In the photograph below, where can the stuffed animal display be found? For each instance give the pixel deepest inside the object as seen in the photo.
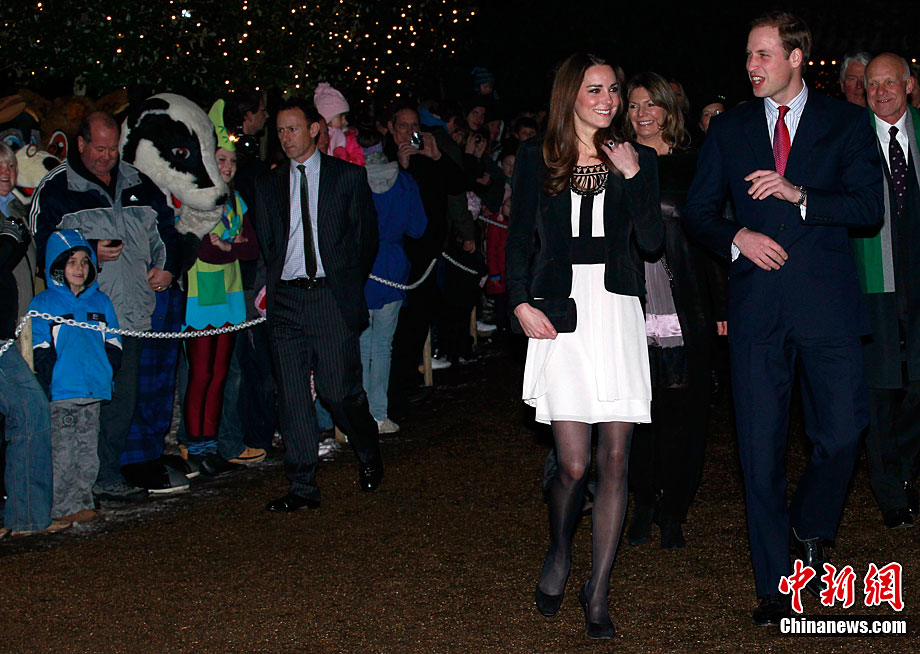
(32, 164)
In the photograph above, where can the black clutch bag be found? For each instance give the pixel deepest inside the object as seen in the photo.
(561, 312)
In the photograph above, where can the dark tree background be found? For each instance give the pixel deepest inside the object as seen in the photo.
(203, 47)
(701, 43)
(378, 51)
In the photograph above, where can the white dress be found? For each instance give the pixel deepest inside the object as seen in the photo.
(599, 372)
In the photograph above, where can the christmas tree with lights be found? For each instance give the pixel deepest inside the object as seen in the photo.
(201, 48)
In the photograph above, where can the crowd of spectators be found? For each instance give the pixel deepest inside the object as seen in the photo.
(100, 237)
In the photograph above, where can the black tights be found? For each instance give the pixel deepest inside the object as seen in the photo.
(573, 448)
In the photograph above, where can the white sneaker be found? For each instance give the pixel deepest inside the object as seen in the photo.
(328, 447)
(484, 327)
(387, 426)
(440, 364)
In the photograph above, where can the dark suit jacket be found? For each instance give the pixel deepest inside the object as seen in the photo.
(882, 351)
(835, 158)
(632, 222)
(346, 226)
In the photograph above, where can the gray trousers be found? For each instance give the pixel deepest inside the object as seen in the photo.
(74, 454)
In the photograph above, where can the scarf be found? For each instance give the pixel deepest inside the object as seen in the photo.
(874, 255)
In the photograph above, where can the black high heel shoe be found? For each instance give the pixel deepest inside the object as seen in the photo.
(595, 630)
(548, 604)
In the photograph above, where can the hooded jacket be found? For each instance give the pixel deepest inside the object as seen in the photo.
(74, 362)
(131, 209)
(399, 213)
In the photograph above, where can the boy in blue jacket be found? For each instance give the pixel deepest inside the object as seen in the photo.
(75, 366)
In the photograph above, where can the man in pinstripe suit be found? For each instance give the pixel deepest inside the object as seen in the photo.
(317, 230)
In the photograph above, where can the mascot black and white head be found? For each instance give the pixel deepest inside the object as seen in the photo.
(171, 140)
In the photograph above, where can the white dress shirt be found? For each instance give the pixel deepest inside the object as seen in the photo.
(294, 264)
(884, 137)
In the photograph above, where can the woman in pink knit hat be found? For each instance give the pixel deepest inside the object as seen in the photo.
(333, 106)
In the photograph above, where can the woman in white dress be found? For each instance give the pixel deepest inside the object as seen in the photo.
(584, 203)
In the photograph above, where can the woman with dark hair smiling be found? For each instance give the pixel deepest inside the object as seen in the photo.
(667, 458)
(592, 199)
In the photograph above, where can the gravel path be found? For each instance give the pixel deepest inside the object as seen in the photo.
(442, 558)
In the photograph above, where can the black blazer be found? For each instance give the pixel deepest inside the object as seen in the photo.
(835, 157)
(346, 226)
(632, 222)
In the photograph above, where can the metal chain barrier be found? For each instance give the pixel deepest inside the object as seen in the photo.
(492, 222)
(459, 265)
(205, 332)
(406, 287)
(125, 332)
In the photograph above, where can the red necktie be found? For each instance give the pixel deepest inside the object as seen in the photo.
(781, 142)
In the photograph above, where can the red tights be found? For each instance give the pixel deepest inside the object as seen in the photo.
(208, 365)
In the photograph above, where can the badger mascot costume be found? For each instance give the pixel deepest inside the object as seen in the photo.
(171, 140)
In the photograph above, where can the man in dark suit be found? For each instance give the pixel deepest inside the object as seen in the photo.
(317, 230)
(794, 298)
(888, 261)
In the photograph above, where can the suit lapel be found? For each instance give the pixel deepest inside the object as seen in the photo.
(283, 194)
(758, 136)
(812, 126)
(327, 181)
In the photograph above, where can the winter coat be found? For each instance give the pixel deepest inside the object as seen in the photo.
(74, 362)
(134, 211)
(399, 213)
(17, 265)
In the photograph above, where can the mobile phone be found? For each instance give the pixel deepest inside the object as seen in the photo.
(416, 140)
(114, 242)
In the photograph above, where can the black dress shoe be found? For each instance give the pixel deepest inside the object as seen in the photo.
(811, 552)
(291, 502)
(672, 535)
(369, 476)
(640, 525)
(547, 604)
(595, 630)
(897, 518)
(771, 610)
(913, 498)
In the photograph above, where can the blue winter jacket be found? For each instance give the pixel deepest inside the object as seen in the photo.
(399, 213)
(73, 362)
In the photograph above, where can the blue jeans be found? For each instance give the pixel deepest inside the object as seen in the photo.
(28, 452)
(376, 348)
(230, 434)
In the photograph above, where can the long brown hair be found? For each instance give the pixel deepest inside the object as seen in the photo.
(560, 145)
(673, 133)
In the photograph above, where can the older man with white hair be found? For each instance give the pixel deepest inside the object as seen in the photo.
(852, 71)
(889, 265)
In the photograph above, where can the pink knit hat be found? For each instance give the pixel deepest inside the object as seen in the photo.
(329, 102)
